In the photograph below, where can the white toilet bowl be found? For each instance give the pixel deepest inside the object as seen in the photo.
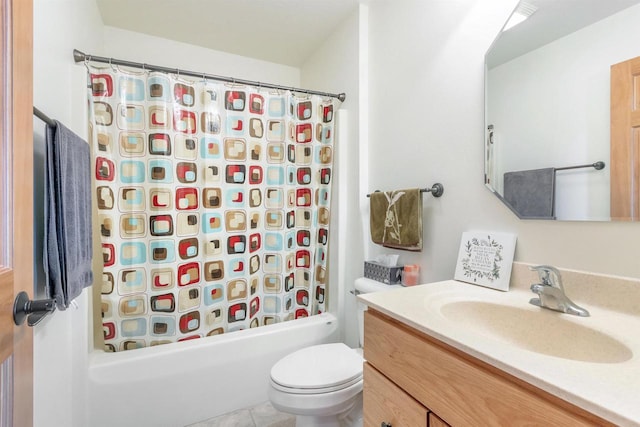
(321, 385)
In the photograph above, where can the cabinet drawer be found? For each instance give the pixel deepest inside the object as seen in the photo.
(385, 402)
(459, 388)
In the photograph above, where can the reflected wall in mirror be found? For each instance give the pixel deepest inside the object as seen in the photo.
(548, 108)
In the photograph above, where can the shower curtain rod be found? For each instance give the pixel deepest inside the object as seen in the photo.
(83, 57)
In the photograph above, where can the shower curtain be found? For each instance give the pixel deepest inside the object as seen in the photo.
(213, 204)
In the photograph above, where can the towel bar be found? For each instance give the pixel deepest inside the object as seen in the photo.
(31, 310)
(597, 166)
(436, 190)
(42, 116)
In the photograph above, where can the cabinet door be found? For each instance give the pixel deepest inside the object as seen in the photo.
(459, 388)
(385, 402)
(436, 421)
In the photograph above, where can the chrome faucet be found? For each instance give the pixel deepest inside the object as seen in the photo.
(551, 292)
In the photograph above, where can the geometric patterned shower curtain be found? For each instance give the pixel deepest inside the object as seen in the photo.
(213, 205)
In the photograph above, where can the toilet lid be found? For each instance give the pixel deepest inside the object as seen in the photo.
(318, 367)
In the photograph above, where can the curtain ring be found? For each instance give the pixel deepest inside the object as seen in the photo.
(89, 80)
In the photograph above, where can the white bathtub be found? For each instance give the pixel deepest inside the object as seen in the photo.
(179, 384)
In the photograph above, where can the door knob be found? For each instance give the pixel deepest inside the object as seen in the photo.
(32, 310)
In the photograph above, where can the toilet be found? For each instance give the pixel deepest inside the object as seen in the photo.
(322, 384)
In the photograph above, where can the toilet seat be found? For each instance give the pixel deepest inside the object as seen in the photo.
(319, 390)
(318, 369)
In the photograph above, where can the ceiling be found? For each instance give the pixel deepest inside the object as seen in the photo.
(552, 20)
(281, 31)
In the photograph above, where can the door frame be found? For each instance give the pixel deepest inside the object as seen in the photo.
(16, 185)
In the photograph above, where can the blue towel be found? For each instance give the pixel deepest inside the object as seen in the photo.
(67, 212)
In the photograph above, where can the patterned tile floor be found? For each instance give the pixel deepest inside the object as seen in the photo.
(262, 415)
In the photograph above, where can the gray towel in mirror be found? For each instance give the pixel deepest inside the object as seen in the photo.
(531, 193)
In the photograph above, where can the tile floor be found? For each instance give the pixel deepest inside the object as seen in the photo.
(262, 415)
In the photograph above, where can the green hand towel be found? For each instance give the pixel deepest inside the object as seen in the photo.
(396, 219)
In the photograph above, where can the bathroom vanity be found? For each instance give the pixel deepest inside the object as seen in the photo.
(434, 358)
(411, 379)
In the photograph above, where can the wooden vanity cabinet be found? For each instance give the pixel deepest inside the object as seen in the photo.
(416, 380)
(385, 402)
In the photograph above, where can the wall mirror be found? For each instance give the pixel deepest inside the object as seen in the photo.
(548, 111)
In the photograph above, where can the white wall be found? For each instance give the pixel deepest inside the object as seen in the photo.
(137, 47)
(550, 108)
(334, 68)
(426, 125)
(62, 340)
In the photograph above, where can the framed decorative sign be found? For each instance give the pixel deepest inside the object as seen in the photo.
(485, 258)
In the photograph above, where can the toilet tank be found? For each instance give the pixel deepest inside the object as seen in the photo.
(365, 286)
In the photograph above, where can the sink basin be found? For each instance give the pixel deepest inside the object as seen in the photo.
(540, 331)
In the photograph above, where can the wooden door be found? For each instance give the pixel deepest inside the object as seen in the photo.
(625, 140)
(436, 421)
(16, 206)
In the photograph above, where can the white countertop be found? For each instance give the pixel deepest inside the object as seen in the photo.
(609, 390)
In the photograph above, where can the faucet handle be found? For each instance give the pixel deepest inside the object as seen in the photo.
(549, 275)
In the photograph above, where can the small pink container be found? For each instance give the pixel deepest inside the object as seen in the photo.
(410, 275)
